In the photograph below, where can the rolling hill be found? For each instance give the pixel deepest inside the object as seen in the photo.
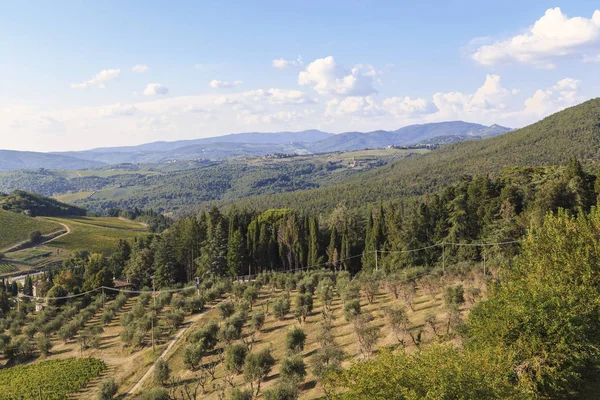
(574, 132)
(13, 160)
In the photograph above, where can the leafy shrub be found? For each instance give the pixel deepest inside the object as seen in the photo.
(293, 369)
(351, 309)
(235, 355)
(295, 340)
(226, 309)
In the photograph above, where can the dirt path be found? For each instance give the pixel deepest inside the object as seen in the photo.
(67, 228)
(138, 386)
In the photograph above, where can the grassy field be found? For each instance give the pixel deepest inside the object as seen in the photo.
(116, 193)
(15, 228)
(97, 235)
(72, 197)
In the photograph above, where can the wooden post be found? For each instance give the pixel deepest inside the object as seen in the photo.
(152, 316)
(444, 258)
(484, 265)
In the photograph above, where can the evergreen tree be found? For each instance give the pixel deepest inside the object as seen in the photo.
(368, 258)
(332, 250)
(235, 254)
(313, 241)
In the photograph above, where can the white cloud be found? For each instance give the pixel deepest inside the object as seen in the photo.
(544, 102)
(270, 96)
(488, 99)
(216, 84)
(591, 59)
(283, 64)
(140, 68)
(99, 79)
(118, 110)
(398, 107)
(195, 109)
(330, 78)
(353, 105)
(153, 89)
(254, 117)
(551, 37)
(405, 106)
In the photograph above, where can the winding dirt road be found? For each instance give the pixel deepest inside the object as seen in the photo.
(138, 386)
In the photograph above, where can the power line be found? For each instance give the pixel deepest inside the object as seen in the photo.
(242, 277)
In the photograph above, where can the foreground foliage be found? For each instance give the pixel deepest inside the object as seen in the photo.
(535, 337)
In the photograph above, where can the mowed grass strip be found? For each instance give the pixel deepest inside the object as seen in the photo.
(96, 235)
(15, 227)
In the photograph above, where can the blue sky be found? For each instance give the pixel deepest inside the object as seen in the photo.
(210, 68)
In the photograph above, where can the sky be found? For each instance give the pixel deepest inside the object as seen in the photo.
(83, 74)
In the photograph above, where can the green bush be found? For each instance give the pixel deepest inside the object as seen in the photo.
(295, 340)
(235, 355)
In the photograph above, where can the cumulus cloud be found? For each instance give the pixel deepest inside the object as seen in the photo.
(353, 105)
(118, 110)
(140, 68)
(283, 64)
(328, 77)
(99, 79)
(551, 37)
(368, 106)
(216, 84)
(544, 102)
(488, 99)
(407, 107)
(154, 89)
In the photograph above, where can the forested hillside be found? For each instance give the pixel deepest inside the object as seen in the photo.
(574, 132)
(171, 187)
(35, 205)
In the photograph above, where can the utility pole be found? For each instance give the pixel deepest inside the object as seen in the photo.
(153, 311)
(376, 264)
(484, 266)
(444, 258)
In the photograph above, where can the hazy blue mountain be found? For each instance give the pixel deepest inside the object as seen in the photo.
(407, 135)
(11, 160)
(308, 136)
(253, 144)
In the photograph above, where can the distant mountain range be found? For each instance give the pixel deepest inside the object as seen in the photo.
(250, 144)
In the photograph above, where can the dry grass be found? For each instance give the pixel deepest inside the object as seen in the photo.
(274, 332)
